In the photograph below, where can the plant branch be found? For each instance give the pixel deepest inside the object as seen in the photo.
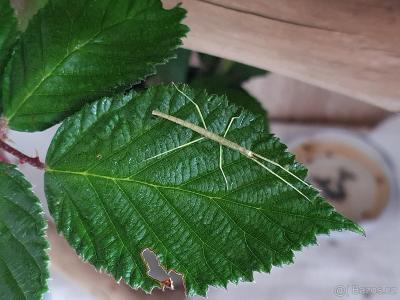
(23, 158)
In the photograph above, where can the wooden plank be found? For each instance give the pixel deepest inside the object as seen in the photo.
(291, 100)
(348, 46)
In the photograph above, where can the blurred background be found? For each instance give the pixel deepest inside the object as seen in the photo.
(311, 100)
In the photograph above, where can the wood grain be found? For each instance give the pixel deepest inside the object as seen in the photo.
(290, 100)
(348, 46)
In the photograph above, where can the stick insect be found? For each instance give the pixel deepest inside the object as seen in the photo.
(223, 141)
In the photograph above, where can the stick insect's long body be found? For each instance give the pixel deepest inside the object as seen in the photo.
(234, 146)
(207, 134)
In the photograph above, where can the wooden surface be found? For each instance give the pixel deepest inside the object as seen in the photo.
(289, 100)
(348, 46)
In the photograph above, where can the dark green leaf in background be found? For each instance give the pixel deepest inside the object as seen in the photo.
(216, 75)
(221, 84)
(227, 77)
(120, 180)
(75, 51)
(239, 73)
(176, 70)
(210, 63)
(8, 36)
(236, 73)
(23, 246)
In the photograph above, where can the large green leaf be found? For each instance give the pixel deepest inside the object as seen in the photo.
(8, 36)
(23, 257)
(113, 193)
(75, 51)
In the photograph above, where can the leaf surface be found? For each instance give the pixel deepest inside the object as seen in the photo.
(116, 186)
(76, 51)
(23, 257)
(8, 31)
(8, 36)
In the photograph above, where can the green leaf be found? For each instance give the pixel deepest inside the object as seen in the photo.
(8, 36)
(210, 63)
(76, 51)
(23, 257)
(175, 70)
(113, 193)
(8, 31)
(239, 73)
(221, 84)
(212, 78)
(221, 76)
(235, 73)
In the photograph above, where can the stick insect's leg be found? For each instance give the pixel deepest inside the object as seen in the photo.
(265, 167)
(220, 167)
(279, 177)
(176, 148)
(229, 125)
(221, 153)
(194, 103)
(282, 168)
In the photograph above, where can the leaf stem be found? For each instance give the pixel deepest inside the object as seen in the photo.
(23, 158)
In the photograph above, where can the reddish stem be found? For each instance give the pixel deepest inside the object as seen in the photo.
(23, 158)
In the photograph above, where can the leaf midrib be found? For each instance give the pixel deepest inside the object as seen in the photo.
(155, 186)
(158, 189)
(188, 274)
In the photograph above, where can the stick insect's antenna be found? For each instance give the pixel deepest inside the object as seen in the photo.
(280, 177)
(282, 168)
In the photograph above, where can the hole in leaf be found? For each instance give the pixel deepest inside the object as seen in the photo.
(168, 280)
